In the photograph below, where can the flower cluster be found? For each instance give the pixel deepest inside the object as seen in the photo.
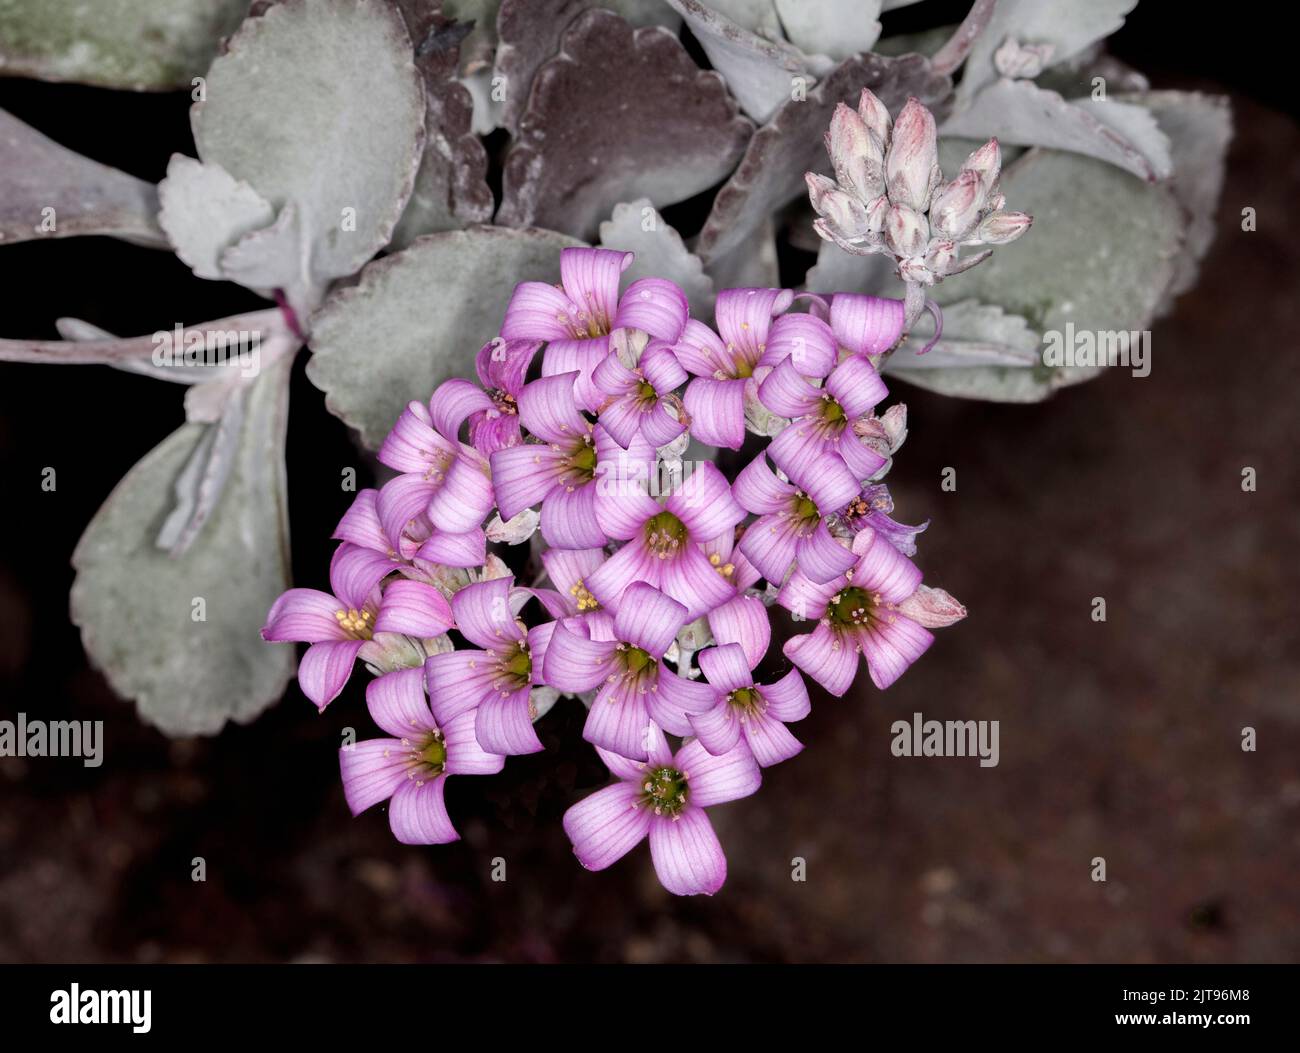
(647, 582)
(888, 195)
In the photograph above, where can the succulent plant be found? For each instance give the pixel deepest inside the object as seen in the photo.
(344, 150)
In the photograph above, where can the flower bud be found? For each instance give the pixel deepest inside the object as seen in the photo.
(842, 211)
(932, 608)
(940, 255)
(906, 231)
(915, 270)
(986, 162)
(913, 157)
(956, 206)
(1002, 227)
(857, 155)
(874, 115)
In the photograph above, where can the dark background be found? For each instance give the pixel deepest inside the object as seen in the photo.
(1119, 740)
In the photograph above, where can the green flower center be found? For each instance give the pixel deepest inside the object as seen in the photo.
(635, 660)
(516, 665)
(582, 463)
(747, 700)
(645, 391)
(853, 607)
(434, 753)
(665, 534)
(665, 790)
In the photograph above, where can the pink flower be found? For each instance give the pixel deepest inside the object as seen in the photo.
(637, 691)
(637, 398)
(410, 770)
(496, 681)
(857, 615)
(561, 470)
(566, 568)
(866, 325)
(340, 626)
(750, 341)
(825, 419)
(576, 318)
(502, 366)
(743, 711)
(444, 481)
(664, 797)
(792, 524)
(663, 541)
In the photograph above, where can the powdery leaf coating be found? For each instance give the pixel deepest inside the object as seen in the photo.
(530, 32)
(134, 601)
(378, 345)
(1024, 114)
(838, 28)
(205, 210)
(320, 104)
(1069, 26)
(771, 174)
(1199, 129)
(451, 188)
(87, 197)
(146, 45)
(761, 71)
(1102, 255)
(676, 130)
(660, 253)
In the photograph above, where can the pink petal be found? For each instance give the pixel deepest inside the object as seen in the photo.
(717, 780)
(771, 544)
(413, 445)
(718, 728)
(704, 503)
(569, 518)
(862, 460)
(549, 409)
(453, 401)
(304, 615)
(787, 699)
(591, 278)
(655, 306)
(566, 567)
(769, 740)
(621, 417)
(618, 720)
(458, 681)
(631, 563)
(503, 364)
(360, 523)
(806, 340)
(891, 645)
(820, 474)
(464, 754)
(418, 815)
(401, 505)
(372, 771)
(537, 311)
(660, 367)
(743, 621)
(659, 427)
(398, 704)
(692, 581)
(455, 550)
(744, 316)
(574, 663)
(726, 666)
(648, 619)
(607, 825)
(805, 598)
(504, 724)
(324, 669)
(701, 351)
(685, 696)
(539, 639)
(829, 657)
(857, 387)
(464, 499)
(483, 613)
(821, 557)
(622, 505)
(786, 393)
(687, 856)
(717, 411)
(622, 768)
(758, 490)
(664, 714)
(582, 357)
(866, 325)
(413, 608)
(523, 475)
(882, 568)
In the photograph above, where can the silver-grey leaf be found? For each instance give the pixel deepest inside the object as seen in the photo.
(636, 227)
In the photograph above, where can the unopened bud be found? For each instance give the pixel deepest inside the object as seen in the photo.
(906, 231)
(986, 162)
(845, 213)
(1002, 227)
(913, 157)
(956, 206)
(932, 608)
(857, 155)
(874, 115)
